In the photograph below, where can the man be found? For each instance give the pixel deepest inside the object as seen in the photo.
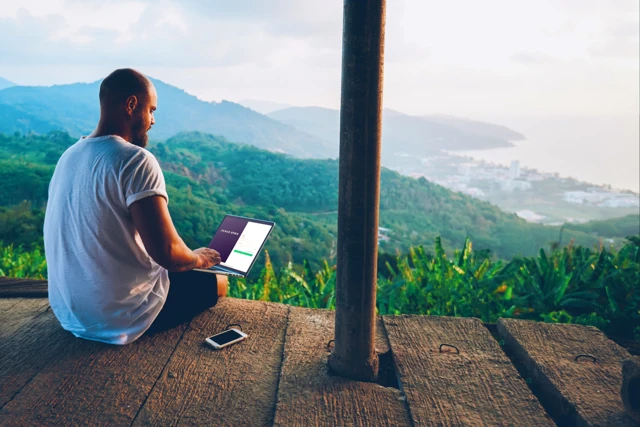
(112, 250)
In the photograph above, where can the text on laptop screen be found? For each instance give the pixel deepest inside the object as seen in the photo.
(238, 241)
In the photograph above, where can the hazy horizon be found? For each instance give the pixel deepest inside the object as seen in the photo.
(496, 61)
(462, 58)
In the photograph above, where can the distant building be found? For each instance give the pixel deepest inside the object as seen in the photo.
(514, 171)
(382, 234)
(515, 185)
(598, 197)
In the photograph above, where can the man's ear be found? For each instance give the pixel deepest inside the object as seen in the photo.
(132, 103)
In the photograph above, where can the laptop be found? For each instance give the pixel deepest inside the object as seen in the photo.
(239, 241)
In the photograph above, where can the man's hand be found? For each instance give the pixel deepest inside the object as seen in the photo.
(207, 258)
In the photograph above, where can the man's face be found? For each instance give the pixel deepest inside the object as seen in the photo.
(143, 117)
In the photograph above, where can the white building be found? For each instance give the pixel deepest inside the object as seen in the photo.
(514, 170)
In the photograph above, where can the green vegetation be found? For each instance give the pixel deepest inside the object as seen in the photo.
(416, 211)
(19, 262)
(617, 227)
(208, 177)
(572, 285)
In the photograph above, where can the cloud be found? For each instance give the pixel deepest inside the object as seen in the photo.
(532, 58)
(153, 40)
(619, 41)
(456, 57)
(187, 33)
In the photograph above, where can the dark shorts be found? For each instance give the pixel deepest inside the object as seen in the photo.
(190, 293)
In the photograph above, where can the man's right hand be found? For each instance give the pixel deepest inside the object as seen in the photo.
(207, 258)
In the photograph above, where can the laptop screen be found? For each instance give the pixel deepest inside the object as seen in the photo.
(239, 240)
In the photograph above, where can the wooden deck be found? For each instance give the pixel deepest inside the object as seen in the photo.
(278, 376)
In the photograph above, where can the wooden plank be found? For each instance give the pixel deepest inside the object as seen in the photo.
(587, 393)
(25, 351)
(478, 387)
(235, 386)
(309, 396)
(83, 382)
(11, 287)
(382, 341)
(17, 312)
(7, 303)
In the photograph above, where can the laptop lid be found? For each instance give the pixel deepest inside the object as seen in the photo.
(239, 241)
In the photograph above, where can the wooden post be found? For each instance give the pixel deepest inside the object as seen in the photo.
(354, 353)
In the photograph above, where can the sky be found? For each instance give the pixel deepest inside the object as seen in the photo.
(472, 58)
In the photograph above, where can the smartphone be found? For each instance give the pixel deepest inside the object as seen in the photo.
(223, 339)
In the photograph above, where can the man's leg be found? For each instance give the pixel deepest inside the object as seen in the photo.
(190, 293)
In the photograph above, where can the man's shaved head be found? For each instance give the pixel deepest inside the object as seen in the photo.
(121, 84)
(127, 102)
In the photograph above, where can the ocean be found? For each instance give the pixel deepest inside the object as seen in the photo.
(592, 149)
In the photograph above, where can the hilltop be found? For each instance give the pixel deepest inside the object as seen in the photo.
(4, 83)
(74, 108)
(403, 133)
(304, 132)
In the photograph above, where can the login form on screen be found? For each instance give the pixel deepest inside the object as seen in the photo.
(238, 241)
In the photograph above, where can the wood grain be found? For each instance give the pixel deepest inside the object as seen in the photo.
(16, 312)
(234, 386)
(78, 382)
(588, 393)
(478, 387)
(309, 396)
(25, 351)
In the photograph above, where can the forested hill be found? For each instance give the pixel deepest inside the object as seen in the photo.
(208, 176)
(74, 108)
(309, 132)
(628, 225)
(415, 211)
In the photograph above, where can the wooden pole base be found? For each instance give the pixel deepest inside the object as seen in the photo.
(366, 370)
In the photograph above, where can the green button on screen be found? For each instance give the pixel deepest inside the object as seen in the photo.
(243, 253)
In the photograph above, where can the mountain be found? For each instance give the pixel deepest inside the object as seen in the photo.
(4, 83)
(321, 122)
(402, 133)
(628, 225)
(263, 107)
(208, 177)
(23, 122)
(299, 131)
(478, 128)
(414, 210)
(74, 108)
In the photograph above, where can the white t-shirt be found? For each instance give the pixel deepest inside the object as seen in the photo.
(103, 285)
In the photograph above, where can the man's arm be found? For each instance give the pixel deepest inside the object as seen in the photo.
(161, 240)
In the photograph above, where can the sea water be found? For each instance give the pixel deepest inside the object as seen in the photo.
(597, 150)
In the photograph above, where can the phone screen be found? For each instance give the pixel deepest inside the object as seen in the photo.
(225, 337)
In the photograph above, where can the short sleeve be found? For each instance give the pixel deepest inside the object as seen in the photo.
(142, 177)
